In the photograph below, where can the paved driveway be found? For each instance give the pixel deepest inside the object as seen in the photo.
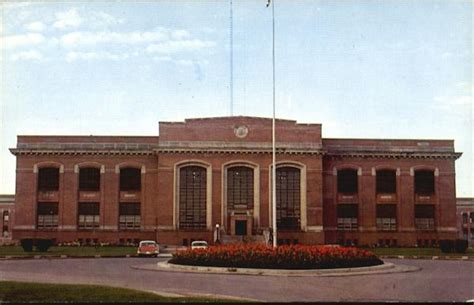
(437, 281)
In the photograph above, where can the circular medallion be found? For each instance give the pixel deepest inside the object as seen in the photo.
(241, 131)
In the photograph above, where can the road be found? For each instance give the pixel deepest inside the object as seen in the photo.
(438, 281)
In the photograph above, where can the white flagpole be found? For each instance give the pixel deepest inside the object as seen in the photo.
(274, 207)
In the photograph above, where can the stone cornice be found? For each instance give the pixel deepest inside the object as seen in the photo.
(237, 151)
(394, 155)
(240, 150)
(62, 152)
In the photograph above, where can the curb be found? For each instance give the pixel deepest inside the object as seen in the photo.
(450, 258)
(62, 256)
(379, 269)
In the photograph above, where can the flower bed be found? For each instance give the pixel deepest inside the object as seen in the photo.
(283, 257)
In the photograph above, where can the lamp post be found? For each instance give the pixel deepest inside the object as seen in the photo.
(217, 236)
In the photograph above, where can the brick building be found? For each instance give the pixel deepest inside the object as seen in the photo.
(465, 214)
(7, 212)
(177, 186)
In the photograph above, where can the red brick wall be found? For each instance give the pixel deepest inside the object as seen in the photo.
(158, 184)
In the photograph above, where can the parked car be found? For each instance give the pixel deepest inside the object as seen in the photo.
(148, 248)
(199, 244)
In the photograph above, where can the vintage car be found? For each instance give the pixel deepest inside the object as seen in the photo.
(199, 244)
(148, 248)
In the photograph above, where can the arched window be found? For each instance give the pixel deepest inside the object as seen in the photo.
(424, 182)
(130, 179)
(89, 179)
(347, 181)
(48, 179)
(386, 182)
(288, 198)
(240, 187)
(192, 197)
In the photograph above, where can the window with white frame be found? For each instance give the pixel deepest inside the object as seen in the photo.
(88, 215)
(47, 215)
(129, 216)
(386, 217)
(347, 217)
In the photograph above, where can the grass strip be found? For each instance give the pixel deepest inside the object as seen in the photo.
(22, 292)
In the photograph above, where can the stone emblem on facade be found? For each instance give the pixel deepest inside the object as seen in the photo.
(241, 131)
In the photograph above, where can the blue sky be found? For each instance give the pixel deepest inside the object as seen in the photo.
(364, 69)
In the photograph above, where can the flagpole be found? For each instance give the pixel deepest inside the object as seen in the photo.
(231, 28)
(274, 208)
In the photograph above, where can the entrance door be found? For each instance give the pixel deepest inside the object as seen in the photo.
(241, 227)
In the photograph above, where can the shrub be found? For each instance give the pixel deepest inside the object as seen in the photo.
(282, 257)
(446, 245)
(461, 245)
(27, 244)
(43, 245)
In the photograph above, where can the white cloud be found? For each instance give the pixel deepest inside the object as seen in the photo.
(180, 34)
(460, 101)
(179, 46)
(456, 100)
(74, 56)
(162, 58)
(27, 55)
(15, 41)
(36, 26)
(13, 5)
(184, 62)
(99, 19)
(74, 39)
(67, 19)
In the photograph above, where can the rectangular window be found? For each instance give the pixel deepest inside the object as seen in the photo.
(130, 179)
(424, 217)
(48, 179)
(386, 217)
(386, 182)
(240, 187)
(89, 179)
(347, 215)
(47, 215)
(424, 182)
(347, 181)
(129, 216)
(88, 215)
(6, 217)
(464, 217)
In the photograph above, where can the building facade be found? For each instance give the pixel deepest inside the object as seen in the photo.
(7, 212)
(465, 216)
(176, 187)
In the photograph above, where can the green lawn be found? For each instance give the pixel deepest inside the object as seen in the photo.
(418, 252)
(48, 293)
(69, 251)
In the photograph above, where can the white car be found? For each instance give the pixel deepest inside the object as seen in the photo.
(148, 247)
(199, 244)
